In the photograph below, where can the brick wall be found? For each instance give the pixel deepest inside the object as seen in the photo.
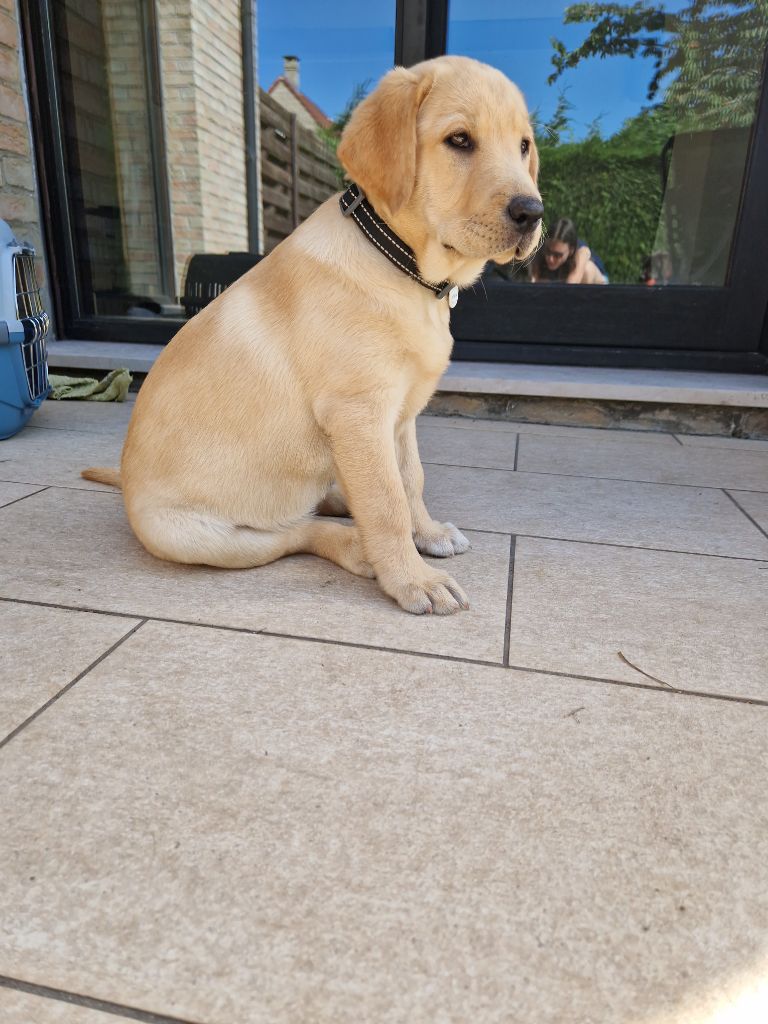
(18, 187)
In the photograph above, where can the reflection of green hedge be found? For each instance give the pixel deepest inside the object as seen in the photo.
(613, 198)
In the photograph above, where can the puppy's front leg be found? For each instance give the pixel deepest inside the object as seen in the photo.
(364, 451)
(430, 537)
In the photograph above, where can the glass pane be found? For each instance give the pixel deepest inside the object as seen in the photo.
(153, 97)
(105, 112)
(315, 63)
(643, 114)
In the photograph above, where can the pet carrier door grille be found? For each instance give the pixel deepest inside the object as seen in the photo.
(34, 319)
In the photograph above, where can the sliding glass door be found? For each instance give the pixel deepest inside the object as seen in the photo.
(651, 125)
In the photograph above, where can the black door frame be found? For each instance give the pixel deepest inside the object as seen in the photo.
(676, 327)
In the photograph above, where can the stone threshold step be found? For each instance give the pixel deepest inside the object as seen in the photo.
(674, 387)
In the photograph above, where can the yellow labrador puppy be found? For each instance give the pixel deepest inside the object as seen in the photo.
(313, 366)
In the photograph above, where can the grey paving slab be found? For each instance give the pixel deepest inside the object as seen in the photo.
(756, 504)
(693, 622)
(92, 417)
(547, 429)
(21, 1008)
(232, 828)
(707, 467)
(637, 514)
(76, 548)
(452, 447)
(704, 441)
(43, 649)
(42, 455)
(13, 492)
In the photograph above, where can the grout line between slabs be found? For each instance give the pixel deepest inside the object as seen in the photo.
(7, 504)
(587, 476)
(730, 698)
(744, 512)
(61, 487)
(360, 647)
(517, 451)
(65, 689)
(613, 544)
(611, 433)
(508, 609)
(90, 1002)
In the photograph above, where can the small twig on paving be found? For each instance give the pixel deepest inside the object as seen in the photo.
(575, 713)
(646, 674)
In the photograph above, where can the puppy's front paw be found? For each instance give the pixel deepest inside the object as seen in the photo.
(441, 540)
(437, 594)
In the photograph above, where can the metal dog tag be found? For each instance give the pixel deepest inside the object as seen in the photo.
(453, 296)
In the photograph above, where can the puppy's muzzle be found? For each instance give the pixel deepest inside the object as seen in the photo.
(525, 212)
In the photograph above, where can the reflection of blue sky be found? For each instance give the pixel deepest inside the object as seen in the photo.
(341, 44)
(344, 43)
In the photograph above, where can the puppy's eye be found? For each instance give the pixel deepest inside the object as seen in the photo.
(525, 146)
(460, 140)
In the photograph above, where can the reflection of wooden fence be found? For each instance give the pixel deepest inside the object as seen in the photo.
(298, 171)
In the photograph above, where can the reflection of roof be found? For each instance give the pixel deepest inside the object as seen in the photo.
(311, 108)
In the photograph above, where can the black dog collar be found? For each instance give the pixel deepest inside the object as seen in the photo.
(354, 204)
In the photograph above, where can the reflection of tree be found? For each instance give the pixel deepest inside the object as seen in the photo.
(331, 135)
(711, 51)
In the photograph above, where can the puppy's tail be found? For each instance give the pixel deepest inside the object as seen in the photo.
(102, 476)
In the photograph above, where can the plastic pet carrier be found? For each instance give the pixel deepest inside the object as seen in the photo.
(24, 327)
(209, 274)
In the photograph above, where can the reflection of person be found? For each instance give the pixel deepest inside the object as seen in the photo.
(657, 268)
(563, 257)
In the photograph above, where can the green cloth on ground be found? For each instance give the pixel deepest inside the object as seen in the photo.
(114, 387)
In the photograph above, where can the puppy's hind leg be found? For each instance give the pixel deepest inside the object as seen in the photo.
(184, 535)
(334, 503)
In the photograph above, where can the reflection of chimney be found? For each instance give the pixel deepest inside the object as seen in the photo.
(291, 71)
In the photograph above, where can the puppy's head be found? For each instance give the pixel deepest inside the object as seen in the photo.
(447, 148)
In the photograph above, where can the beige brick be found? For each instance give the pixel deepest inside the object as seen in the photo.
(14, 138)
(18, 172)
(9, 32)
(18, 207)
(12, 104)
(9, 65)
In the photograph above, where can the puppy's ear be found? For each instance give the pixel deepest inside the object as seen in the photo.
(533, 162)
(378, 147)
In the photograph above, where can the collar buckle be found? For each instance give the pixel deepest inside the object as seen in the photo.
(347, 211)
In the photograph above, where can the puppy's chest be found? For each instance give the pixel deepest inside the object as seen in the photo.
(428, 356)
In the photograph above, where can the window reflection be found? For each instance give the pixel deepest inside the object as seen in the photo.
(643, 114)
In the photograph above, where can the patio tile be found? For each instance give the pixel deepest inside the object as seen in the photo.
(451, 447)
(20, 1008)
(12, 492)
(43, 649)
(702, 441)
(693, 622)
(92, 417)
(607, 511)
(548, 429)
(756, 504)
(48, 456)
(235, 828)
(706, 467)
(92, 560)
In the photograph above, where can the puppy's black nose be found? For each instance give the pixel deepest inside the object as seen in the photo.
(525, 211)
